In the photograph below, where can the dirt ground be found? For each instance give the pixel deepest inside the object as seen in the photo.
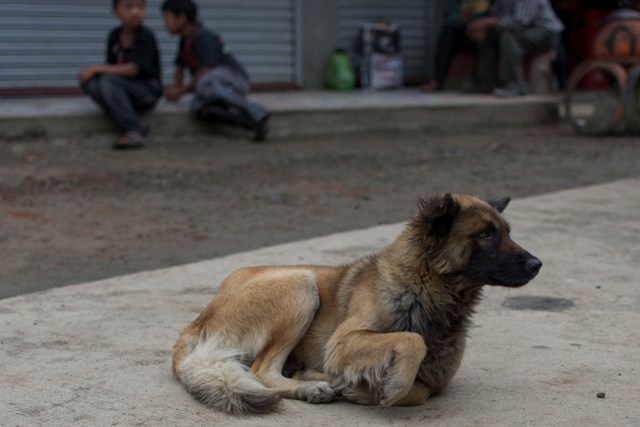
(74, 211)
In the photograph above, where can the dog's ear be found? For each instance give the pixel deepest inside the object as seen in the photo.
(500, 203)
(434, 220)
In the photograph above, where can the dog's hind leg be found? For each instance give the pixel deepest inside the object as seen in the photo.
(269, 371)
(311, 375)
(232, 356)
(300, 295)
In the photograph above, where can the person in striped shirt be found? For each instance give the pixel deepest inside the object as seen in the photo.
(514, 29)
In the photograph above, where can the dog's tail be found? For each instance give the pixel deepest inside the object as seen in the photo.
(216, 376)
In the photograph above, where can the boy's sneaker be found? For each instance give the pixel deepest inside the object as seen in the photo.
(131, 139)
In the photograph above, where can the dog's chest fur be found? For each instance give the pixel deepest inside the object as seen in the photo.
(443, 326)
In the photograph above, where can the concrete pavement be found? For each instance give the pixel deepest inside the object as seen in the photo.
(99, 353)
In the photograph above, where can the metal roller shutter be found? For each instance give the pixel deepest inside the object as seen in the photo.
(44, 43)
(412, 16)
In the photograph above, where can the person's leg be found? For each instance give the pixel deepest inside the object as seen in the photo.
(221, 93)
(122, 98)
(92, 88)
(465, 44)
(144, 95)
(487, 62)
(213, 111)
(560, 66)
(513, 47)
(448, 45)
(222, 86)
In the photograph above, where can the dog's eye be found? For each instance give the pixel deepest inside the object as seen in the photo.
(485, 234)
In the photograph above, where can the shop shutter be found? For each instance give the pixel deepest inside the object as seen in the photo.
(44, 43)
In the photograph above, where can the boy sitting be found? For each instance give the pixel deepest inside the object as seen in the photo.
(130, 80)
(219, 81)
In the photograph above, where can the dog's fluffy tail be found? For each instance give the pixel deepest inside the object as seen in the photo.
(215, 376)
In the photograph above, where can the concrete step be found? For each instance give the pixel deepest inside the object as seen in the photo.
(293, 113)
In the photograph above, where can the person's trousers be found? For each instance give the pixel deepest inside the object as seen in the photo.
(450, 42)
(223, 92)
(501, 56)
(122, 98)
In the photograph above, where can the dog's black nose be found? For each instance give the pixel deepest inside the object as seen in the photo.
(533, 264)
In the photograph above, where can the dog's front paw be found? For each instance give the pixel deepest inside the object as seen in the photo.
(394, 384)
(316, 392)
(360, 393)
(390, 391)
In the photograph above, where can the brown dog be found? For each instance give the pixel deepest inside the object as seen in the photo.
(387, 329)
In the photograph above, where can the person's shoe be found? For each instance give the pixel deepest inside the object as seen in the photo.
(203, 113)
(131, 139)
(260, 129)
(509, 90)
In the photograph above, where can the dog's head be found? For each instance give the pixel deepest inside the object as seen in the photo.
(465, 236)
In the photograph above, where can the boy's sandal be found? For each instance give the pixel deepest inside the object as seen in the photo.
(129, 140)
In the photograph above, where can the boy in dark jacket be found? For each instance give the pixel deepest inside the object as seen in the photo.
(219, 81)
(130, 80)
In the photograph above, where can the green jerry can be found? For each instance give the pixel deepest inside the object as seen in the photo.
(339, 75)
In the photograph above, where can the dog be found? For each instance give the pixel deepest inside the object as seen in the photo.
(387, 329)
